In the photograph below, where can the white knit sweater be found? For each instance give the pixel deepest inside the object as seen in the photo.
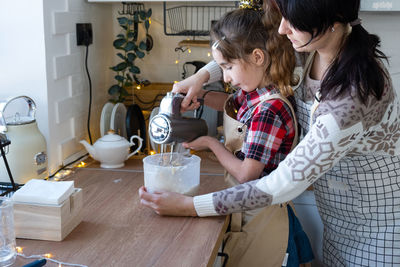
(340, 128)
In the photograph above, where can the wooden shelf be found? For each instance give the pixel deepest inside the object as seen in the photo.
(195, 43)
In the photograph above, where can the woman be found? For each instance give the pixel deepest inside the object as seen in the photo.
(349, 115)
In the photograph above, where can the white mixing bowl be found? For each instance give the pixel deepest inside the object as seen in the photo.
(172, 172)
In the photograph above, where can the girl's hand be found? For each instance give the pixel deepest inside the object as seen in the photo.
(201, 143)
(167, 203)
(192, 87)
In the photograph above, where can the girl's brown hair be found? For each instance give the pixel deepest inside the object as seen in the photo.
(241, 31)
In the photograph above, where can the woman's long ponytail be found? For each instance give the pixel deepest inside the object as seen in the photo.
(358, 66)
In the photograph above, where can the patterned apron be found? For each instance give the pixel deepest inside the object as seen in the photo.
(257, 237)
(347, 196)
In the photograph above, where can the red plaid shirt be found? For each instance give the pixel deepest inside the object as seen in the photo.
(270, 128)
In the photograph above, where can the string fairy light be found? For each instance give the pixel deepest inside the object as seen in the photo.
(62, 174)
(47, 256)
(82, 164)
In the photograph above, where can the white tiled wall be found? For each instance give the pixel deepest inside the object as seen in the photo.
(68, 87)
(40, 59)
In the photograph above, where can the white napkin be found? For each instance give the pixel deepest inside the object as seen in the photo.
(39, 191)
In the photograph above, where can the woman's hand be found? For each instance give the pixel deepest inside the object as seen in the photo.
(192, 87)
(167, 203)
(201, 143)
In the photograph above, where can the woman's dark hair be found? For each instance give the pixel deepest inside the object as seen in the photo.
(358, 63)
(241, 31)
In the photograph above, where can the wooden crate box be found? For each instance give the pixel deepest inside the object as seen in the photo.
(48, 222)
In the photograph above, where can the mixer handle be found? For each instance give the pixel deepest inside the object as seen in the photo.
(201, 101)
(199, 111)
(3, 105)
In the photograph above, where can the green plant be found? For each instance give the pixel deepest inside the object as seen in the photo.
(129, 49)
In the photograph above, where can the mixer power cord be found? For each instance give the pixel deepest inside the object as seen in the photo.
(90, 93)
(152, 103)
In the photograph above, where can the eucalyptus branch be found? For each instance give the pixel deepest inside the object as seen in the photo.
(130, 49)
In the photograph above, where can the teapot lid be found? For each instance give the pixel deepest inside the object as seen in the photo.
(111, 136)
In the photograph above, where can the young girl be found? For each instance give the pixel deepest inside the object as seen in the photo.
(259, 130)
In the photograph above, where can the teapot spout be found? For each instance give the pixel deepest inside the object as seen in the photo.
(89, 148)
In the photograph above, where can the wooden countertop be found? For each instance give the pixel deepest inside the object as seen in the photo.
(117, 231)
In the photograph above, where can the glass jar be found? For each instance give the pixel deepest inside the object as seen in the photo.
(7, 234)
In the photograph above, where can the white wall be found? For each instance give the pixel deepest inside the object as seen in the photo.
(159, 65)
(40, 59)
(68, 86)
(386, 26)
(23, 55)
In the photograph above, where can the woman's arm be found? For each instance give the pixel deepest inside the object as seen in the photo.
(215, 100)
(324, 145)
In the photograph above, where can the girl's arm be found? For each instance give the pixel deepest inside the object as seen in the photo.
(243, 171)
(192, 86)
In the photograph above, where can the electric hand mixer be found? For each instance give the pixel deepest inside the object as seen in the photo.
(170, 127)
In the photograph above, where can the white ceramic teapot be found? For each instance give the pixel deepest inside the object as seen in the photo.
(112, 150)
